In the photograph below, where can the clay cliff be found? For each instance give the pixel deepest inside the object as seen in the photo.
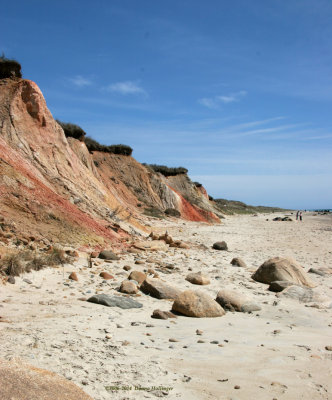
(53, 188)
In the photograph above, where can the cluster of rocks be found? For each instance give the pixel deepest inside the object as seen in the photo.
(169, 240)
(282, 219)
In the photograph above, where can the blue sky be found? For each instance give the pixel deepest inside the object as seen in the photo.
(239, 92)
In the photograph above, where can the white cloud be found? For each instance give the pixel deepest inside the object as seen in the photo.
(231, 98)
(214, 102)
(210, 103)
(126, 87)
(80, 81)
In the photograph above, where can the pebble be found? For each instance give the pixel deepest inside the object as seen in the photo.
(214, 342)
(173, 340)
(329, 348)
(200, 341)
(237, 387)
(199, 332)
(119, 326)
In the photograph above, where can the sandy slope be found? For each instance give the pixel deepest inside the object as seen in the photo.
(276, 353)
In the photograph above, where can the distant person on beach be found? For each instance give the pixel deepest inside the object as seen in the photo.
(300, 215)
(297, 215)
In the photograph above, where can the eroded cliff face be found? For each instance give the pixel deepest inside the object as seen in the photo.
(52, 187)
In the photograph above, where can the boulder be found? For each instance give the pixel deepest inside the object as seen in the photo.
(238, 262)
(158, 314)
(108, 255)
(22, 381)
(197, 304)
(279, 286)
(115, 301)
(198, 278)
(282, 269)
(220, 246)
(159, 289)
(137, 276)
(233, 301)
(128, 287)
(304, 295)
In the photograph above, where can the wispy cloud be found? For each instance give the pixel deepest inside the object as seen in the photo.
(126, 88)
(231, 98)
(80, 81)
(214, 102)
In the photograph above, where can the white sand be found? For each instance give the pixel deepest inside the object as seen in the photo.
(276, 353)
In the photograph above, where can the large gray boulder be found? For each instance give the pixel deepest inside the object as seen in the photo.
(305, 295)
(115, 301)
(197, 304)
(159, 289)
(282, 269)
(233, 301)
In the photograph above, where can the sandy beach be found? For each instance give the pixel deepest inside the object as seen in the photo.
(282, 351)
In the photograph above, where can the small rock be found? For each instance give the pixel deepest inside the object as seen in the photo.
(127, 267)
(198, 278)
(158, 314)
(27, 281)
(11, 280)
(73, 276)
(316, 271)
(237, 387)
(128, 287)
(328, 348)
(200, 341)
(198, 332)
(173, 340)
(106, 275)
(108, 255)
(137, 276)
(220, 246)
(238, 262)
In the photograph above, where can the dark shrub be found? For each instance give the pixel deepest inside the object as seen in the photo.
(122, 149)
(166, 171)
(197, 184)
(211, 198)
(72, 130)
(153, 212)
(172, 212)
(9, 68)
